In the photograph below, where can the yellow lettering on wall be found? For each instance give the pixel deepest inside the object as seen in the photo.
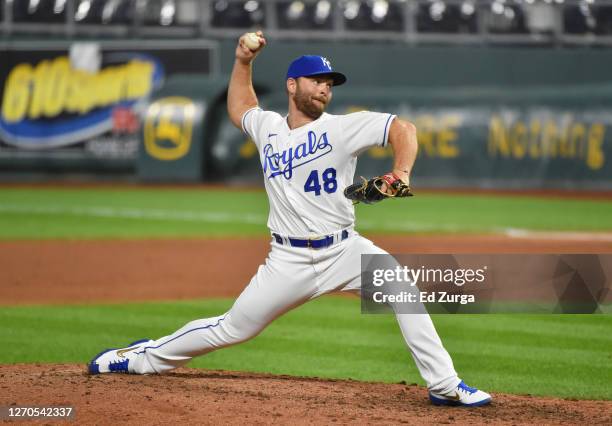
(447, 136)
(549, 139)
(114, 78)
(136, 86)
(102, 87)
(498, 138)
(425, 134)
(518, 140)
(595, 155)
(17, 93)
(53, 87)
(534, 138)
(577, 137)
(78, 99)
(437, 137)
(55, 90)
(570, 140)
(39, 89)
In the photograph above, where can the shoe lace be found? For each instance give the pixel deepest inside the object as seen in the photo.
(119, 365)
(466, 389)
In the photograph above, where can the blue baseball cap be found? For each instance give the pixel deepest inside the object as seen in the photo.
(309, 65)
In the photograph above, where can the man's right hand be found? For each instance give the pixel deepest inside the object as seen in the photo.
(246, 55)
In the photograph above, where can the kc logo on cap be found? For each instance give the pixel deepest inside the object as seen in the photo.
(311, 65)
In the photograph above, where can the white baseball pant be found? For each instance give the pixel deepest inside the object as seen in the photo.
(290, 277)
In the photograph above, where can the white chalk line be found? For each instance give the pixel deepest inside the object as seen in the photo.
(259, 219)
(206, 217)
(136, 213)
(557, 235)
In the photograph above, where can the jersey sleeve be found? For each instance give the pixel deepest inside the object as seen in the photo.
(253, 123)
(250, 122)
(366, 129)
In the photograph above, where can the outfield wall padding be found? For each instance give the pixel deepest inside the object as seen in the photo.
(546, 137)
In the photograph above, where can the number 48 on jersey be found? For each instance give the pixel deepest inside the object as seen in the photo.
(328, 177)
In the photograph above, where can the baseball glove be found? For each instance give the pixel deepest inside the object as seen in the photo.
(370, 191)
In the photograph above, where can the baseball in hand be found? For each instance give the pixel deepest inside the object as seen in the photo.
(251, 40)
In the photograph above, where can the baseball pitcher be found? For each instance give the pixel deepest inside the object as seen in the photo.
(308, 159)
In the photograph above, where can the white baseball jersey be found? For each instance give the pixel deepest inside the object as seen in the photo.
(306, 169)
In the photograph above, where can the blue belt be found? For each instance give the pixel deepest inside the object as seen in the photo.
(309, 243)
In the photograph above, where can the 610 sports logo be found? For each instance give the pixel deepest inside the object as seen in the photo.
(51, 104)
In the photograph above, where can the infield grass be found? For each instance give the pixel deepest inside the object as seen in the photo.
(560, 355)
(177, 213)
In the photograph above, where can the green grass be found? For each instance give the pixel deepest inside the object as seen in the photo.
(564, 355)
(163, 213)
(560, 355)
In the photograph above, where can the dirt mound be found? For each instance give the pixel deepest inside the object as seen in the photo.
(221, 397)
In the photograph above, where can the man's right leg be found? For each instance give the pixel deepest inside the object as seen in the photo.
(193, 339)
(285, 281)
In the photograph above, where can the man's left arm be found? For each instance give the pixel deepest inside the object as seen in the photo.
(403, 141)
(402, 137)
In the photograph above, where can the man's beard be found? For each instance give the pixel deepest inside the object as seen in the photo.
(306, 105)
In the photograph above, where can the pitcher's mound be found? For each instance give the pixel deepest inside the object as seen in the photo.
(220, 397)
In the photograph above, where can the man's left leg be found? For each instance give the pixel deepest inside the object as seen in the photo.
(431, 358)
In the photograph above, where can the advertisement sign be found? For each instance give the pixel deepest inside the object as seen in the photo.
(172, 132)
(85, 101)
(493, 144)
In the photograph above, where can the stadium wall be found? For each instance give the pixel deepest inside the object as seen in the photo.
(487, 117)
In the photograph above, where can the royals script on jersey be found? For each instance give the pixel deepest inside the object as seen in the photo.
(306, 169)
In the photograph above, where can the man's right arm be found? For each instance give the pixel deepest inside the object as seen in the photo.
(241, 94)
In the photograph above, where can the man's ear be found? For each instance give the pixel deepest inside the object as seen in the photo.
(291, 86)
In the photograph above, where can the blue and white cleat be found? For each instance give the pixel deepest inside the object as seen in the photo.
(116, 360)
(462, 395)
